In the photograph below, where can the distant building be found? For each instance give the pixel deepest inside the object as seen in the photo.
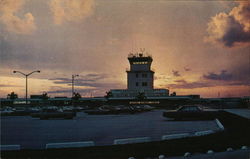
(140, 78)
(36, 96)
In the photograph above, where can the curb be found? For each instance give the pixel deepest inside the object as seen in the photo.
(132, 140)
(69, 144)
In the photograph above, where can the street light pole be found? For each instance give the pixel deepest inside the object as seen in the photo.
(73, 80)
(26, 94)
(26, 78)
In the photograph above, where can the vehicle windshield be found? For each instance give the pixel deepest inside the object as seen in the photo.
(189, 108)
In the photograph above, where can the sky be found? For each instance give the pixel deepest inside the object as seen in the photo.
(198, 47)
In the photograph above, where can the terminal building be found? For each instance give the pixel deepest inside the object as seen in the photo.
(140, 79)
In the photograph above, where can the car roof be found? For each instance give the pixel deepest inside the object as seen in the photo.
(189, 106)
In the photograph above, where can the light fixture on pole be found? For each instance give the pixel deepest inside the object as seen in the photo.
(73, 80)
(26, 77)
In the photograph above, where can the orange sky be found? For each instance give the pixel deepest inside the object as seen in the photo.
(198, 47)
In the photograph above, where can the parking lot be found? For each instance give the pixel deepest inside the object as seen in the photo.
(33, 133)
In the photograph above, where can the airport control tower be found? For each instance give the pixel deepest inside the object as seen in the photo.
(140, 76)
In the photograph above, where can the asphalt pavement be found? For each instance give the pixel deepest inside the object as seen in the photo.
(33, 133)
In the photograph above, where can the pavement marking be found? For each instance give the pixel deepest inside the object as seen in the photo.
(219, 124)
(70, 144)
(132, 140)
(202, 133)
(175, 136)
(9, 147)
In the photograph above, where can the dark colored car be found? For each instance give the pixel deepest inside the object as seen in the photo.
(105, 110)
(119, 109)
(190, 112)
(53, 113)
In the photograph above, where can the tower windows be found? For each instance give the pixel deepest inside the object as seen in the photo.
(144, 84)
(144, 75)
(140, 63)
(136, 75)
(137, 84)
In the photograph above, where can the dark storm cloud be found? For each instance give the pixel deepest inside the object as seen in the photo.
(231, 28)
(235, 34)
(176, 73)
(223, 75)
(238, 76)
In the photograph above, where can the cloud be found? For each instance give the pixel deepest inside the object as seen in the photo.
(5, 49)
(176, 73)
(230, 29)
(189, 85)
(82, 78)
(8, 16)
(89, 80)
(180, 81)
(238, 77)
(161, 77)
(63, 91)
(81, 82)
(70, 10)
(9, 85)
(223, 75)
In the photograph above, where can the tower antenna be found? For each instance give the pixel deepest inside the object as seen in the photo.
(132, 45)
(142, 50)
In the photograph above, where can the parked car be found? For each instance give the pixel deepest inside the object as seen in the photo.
(53, 112)
(118, 109)
(6, 111)
(190, 112)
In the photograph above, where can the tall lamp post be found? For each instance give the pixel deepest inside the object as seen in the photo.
(26, 76)
(73, 80)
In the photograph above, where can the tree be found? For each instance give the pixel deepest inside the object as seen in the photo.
(141, 96)
(108, 94)
(45, 96)
(76, 96)
(12, 95)
(173, 94)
